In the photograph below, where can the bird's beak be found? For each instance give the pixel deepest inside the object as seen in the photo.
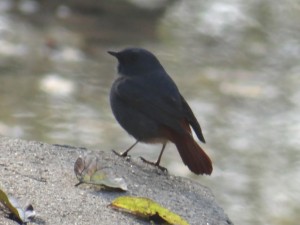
(115, 54)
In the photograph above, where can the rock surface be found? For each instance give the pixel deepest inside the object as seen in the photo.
(43, 175)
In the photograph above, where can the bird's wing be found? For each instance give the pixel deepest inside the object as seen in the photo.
(192, 120)
(160, 103)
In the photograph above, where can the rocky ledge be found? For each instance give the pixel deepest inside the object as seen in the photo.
(43, 175)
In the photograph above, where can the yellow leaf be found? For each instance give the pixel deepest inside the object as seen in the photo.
(14, 207)
(146, 208)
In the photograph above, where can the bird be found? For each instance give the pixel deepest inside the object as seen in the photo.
(147, 103)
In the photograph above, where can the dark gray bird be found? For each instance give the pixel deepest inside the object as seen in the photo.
(148, 105)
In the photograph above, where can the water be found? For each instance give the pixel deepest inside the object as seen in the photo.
(236, 63)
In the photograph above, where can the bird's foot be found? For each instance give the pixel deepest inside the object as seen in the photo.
(121, 154)
(156, 164)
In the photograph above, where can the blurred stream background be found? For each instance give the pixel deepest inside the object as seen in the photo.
(236, 62)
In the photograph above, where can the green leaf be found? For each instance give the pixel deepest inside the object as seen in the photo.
(89, 170)
(146, 208)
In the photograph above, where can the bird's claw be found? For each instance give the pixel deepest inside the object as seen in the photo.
(156, 164)
(121, 154)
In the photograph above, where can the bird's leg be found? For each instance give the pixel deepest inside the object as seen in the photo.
(125, 153)
(158, 160)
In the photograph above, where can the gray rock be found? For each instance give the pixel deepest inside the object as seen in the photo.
(43, 175)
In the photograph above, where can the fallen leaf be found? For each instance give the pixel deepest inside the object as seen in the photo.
(89, 170)
(147, 208)
(24, 215)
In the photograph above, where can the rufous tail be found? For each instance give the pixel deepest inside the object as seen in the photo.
(193, 155)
